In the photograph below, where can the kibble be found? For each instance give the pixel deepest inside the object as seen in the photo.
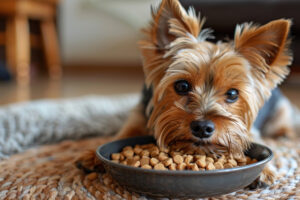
(167, 162)
(145, 160)
(210, 166)
(149, 156)
(128, 153)
(146, 167)
(178, 159)
(153, 161)
(160, 166)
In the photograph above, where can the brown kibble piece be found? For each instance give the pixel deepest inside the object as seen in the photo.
(136, 163)
(136, 157)
(210, 166)
(133, 162)
(127, 148)
(241, 159)
(115, 156)
(178, 159)
(145, 153)
(124, 162)
(195, 167)
(209, 160)
(154, 152)
(162, 156)
(92, 176)
(188, 159)
(145, 160)
(228, 165)
(219, 165)
(222, 160)
(122, 157)
(137, 150)
(201, 161)
(232, 162)
(172, 167)
(153, 161)
(159, 166)
(146, 167)
(253, 161)
(248, 160)
(128, 153)
(168, 162)
(181, 166)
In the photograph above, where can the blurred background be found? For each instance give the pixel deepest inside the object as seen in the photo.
(70, 48)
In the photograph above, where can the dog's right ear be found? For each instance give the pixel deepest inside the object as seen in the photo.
(170, 20)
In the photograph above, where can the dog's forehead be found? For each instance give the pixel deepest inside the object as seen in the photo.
(217, 63)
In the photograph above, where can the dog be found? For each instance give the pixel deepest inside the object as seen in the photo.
(204, 95)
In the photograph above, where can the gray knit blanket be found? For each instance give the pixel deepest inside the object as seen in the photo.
(26, 125)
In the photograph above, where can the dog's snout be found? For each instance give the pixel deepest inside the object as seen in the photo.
(202, 129)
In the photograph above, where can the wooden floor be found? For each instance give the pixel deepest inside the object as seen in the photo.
(98, 83)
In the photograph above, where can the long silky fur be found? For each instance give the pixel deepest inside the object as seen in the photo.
(176, 47)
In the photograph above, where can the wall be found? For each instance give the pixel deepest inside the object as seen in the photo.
(102, 32)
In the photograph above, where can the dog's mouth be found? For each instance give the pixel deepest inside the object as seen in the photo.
(195, 145)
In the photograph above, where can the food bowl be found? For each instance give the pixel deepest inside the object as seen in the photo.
(181, 184)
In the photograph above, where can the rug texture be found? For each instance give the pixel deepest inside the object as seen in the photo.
(48, 171)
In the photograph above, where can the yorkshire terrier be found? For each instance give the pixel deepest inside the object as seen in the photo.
(200, 94)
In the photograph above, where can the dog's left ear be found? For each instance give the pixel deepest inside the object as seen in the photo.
(266, 48)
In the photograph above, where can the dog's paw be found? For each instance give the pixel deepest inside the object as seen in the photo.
(268, 175)
(88, 162)
(257, 184)
(266, 178)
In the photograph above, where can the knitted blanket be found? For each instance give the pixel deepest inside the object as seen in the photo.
(48, 171)
(30, 124)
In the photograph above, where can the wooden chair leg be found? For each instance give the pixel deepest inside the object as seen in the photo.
(10, 45)
(18, 48)
(51, 48)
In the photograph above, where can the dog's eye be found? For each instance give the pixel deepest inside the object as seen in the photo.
(182, 87)
(232, 95)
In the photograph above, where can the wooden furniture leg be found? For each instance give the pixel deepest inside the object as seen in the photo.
(18, 48)
(10, 45)
(51, 48)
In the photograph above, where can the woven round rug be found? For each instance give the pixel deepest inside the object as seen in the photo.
(49, 172)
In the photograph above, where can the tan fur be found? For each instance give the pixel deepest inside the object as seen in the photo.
(254, 63)
(135, 124)
(176, 48)
(280, 124)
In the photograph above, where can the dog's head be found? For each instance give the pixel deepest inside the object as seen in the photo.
(208, 94)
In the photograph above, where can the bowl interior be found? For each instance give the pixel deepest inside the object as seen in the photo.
(257, 151)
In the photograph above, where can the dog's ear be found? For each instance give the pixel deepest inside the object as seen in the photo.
(266, 48)
(170, 20)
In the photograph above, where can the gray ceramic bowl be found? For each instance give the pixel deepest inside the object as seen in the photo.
(181, 184)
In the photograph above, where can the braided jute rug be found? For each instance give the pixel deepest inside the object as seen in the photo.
(48, 172)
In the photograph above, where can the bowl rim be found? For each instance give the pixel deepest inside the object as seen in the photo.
(182, 172)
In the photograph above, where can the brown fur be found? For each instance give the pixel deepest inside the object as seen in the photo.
(176, 48)
(254, 63)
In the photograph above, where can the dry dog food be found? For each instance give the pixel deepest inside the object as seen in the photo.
(149, 156)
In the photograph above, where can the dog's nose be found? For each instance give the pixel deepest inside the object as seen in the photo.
(202, 129)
